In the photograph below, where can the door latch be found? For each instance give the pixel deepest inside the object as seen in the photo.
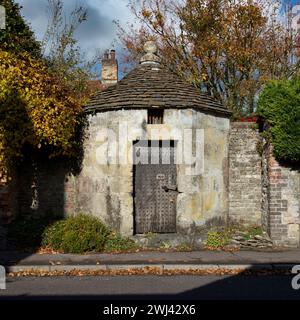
(167, 189)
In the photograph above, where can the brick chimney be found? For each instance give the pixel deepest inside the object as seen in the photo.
(109, 73)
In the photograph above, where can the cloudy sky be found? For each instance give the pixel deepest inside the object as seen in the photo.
(98, 31)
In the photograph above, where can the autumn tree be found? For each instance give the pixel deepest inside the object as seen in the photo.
(17, 36)
(61, 49)
(227, 48)
(36, 109)
(40, 101)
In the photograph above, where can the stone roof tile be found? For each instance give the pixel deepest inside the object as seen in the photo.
(148, 86)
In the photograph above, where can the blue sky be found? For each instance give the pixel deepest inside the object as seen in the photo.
(292, 1)
(98, 32)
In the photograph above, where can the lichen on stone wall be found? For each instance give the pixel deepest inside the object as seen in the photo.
(113, 218)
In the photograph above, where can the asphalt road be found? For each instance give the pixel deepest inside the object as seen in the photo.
(151, 287)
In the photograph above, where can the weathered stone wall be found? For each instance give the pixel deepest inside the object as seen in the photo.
(8, 207)
(106, 190)
(45, 187)
(245, 174)
(8, 199)
(4, 199)
(237, 181)
(283, 203)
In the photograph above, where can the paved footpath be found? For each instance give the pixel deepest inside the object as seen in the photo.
(15, 261)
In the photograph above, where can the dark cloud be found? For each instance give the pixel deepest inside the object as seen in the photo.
(98, 31)
(96, 34)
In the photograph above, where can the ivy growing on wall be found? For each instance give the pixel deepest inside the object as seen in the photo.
(279, 106)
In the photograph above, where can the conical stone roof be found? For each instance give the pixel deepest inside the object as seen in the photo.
(150, 85)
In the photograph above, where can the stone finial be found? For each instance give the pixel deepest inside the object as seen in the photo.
(150, 56)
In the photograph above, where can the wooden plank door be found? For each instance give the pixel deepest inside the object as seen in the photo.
(155, 187)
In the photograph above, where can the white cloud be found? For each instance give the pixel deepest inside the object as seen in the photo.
(98, 32)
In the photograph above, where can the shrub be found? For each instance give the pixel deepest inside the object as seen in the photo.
(78, 234)
(53, 235)
(279, 106)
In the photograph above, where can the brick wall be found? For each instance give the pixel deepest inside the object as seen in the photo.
(262, 191)
(283, 203)
(245, 174)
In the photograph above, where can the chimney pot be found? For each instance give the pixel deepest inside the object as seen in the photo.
(106, 55)
(113, 54)
(109, 72)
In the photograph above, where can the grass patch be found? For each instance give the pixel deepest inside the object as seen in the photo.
(251, 232)
(217, 239)
(116, 243)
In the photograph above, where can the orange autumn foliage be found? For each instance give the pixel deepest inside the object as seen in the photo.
(229, 49)
(36, 109)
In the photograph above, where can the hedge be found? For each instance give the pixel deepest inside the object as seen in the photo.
(279, 106)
